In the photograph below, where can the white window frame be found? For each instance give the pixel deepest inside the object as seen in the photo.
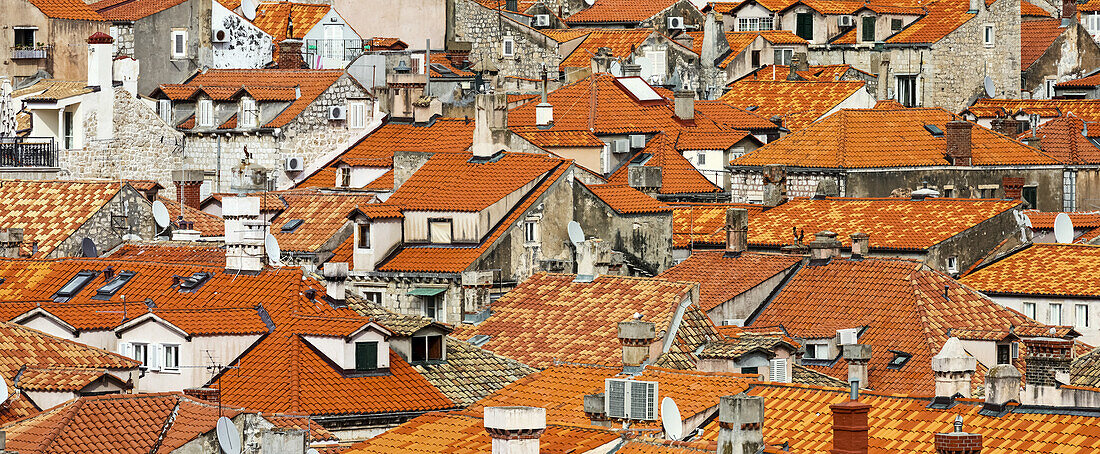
(1081, 317)
(1069, 190)
(373, 296)
(140, 352)
(436, 311)
(1048, 86)
(204, 113)
(177, 53)
(952, 265)
(357, 114)
(165, 364)
(785, 54)
(1092, 22)
(531, 231)
(508, 47)
(777, 370)
(822, 348)
(1054, 314)
(249, 116)
(164, 109)
(1030, 310)
(755, 24)
(916, 89)
(418, 65)
(989, 35)
(359, 237)
(343, 177)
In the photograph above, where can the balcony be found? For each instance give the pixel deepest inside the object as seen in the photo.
(28, 53)
(28, 152)
(333, 50)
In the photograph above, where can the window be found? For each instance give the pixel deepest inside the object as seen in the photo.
(1030, 195)
(373, 297)
(783, 56)
(357, 114)
(1082, 320)
(249, 113)
(907, 90)
(343, 177)
(439, 231)
(417, 61)
(164, 110)
(660, 65)
(291, 225)
(1004, 354)
(899, 359)
(427, 348)
(171, 357)
(755, 59)
(141, 353)
(779, 371)
(1048, 86)
(68, 119)
(988, 191)
(817, 351)
(179, 44)
(754, 24)
(895, 25)
(952, 265)
(987, 35)
(366, 356)
(1069, 190)
(508, 48)
(948, 191)
(433, 307)
(114, 285)
(74, 285)
(1029, 310)
(1092, 22)
(364, 236)
(804, 26)
(1055, 314)
(701, 158)
(531, 231)
(24, 38)
(750, 370)
(869, 29)
(205, 115)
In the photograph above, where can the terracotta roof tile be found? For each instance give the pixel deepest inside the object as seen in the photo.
(1048, 269)
(60, 363)
(854, 138)
(1085, 109)
(1036, 36)
(323, 213)
(53, 90)
(207, 224)
(55, 379)
(627, 200)
(1030, 9)
(619, 41)
(1063, 139)
(67, 9)
(451, 182)
(131, 10)
(172, 252)
(799, 103)
(615, 11)
(227, 82)
(943, 18)
(387, 43)
(1087, 81)
(49, 211)
(206, 322)
(816, 73)
(703, 224)
(272, 17)
(447, 66)
(550, 138)
(678, 176)
(471, 373)
(721, 278)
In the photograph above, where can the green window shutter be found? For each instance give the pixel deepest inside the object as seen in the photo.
(868, 28)
(805, 26)
(366, 356)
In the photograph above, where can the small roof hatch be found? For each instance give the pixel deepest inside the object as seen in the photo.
(292, 225)
(934, 130)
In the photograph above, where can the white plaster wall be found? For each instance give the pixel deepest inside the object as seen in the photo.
(983, 351)
(247, 47)
(49, 326)
(46, 400)
(385, 234)
(214, 350)
(153, 332)
(1089, 334)
(362, 176)
(342, 351)
(465, 225)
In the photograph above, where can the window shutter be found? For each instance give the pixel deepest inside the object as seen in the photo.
(366, 356)
(126, 349)
(156, 356)
(779, 371)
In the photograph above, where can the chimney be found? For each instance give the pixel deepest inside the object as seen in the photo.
(475, 291)
(861, 245)
(632, 70)
(1002, 384)
(740, 424)
(100, 60)
(850, 426)
(1007, 126)
(953, 369)
(601, 61)
(11, 240)
(636, 336)
(515, 430)
(737, 231)
(590, 254)
(975, 6)
(824, 247)
(244, 234)
(958, 141)
(685, 105)
(336, 273)
(290, 54)
(594, 409)
(490, 124)
(544, 111)
(1014, 187)
(826, 187)
(1048, 361)
(188, 184)
(1033, 142)
(775, 185)
(644, 178)
(212, 395)
(958, 442)
(1069, 12)
(857, 356)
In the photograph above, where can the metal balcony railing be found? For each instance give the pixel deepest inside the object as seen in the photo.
(26, 53)
(28, 152)
(344, 50)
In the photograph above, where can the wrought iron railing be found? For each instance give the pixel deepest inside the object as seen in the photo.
(344, 50)
(28, 152)
(29, 52)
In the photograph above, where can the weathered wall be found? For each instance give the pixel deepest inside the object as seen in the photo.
(247, 47)
(747, 185)
(973, 244)
(69, 55)
(1072, 55)
(1088, 190)
(682, 8)
(21, 13)
(413, 21)
(644, 239)
(965, 180)
(485, 29)
(744, 304)
(154, 49)
(100, 229)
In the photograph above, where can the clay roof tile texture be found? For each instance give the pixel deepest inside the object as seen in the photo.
(799, 103)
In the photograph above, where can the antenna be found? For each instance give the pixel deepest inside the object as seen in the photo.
(990, 89)
(229, 439)
(271, 246)
(670, 419)
(87, 248)
(1063, 229)
(160, 216)
(576, 234)
(248, 8)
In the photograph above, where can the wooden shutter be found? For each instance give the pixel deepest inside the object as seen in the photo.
(366, 355)
(805, 26)
(868, 28)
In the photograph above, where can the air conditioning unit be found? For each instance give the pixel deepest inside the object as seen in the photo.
(540, 20)
(675, 23)
(220, 35)
(630, 399)
(847, 336)
(337, 113)
(293, 164)
(637, 141)
(620, 146)
(844, 21)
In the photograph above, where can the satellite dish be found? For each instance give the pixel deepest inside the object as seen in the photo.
(990, 89)
(160, 214)
(87, 248)
(615, 69)
(670, 419)
(4, 392)
(1063, 229)
(312, 451)
(248, 8)
(576, 234)
(271, 245)
(228, 437)
(589, 2)
(131, 237)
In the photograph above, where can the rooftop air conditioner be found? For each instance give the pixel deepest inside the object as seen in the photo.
(620, 146)
(675, 23)
(630, 399)
(844, 21)
(293, 164)
(540, 20)
(637, 141)
(337, 113)
(847, 336)
(220, 35)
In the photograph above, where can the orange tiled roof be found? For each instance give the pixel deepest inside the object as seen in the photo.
(1087, 81)
(889, 221)
(272, 17)
(550, 138)
(583, 317)
(207, 224)
(387, 43)
(309, 82)
(52, 90)
(943, 18)
(816, 73)
(738, 42)
(620, 41)
(1086, 109)
(171, 252)
(1030, 9)
(1047, 269)
(1036, 36)
(627, 200)
(49, 211)
(323, 213)
(867, 138)
(131, 10)
(721, 278)
(703, 224)
(799, 103)
(678, 176)
(1045, 220)
(450, 182)
(53, 379)
(618, 11)
(900, 305)
(439, 58)
(1063, 139)
(67, 9)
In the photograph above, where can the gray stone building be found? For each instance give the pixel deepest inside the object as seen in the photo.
(630, 222)
(1053, 51)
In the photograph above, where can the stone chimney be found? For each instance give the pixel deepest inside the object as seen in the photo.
(850, 427)
(1002, 384)
(824, 247)
(958, 442)
(1033, 142)
(958, 142)
(1069, 12)
(11, 240)
(290, 54)
(861, 245)
(632, 70)
(740, 424)
(775, 185)
(336, 274)
(1005, 125)
(857, 356)
(515, 430)
(644, 178)
(188, 184)
(1048, 361)
(684, 104)
(208, 394)
(601, 61)
(244, 234)
(737, 231)
(953, 368)
(490, 124)
(799, 63)
(1014, 187)
(590, 255)
(636, 336)
(594, 410)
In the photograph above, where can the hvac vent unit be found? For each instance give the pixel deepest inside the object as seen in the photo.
(540, 20)
(637, 141)
(293, 164)
(220, 35)
(847, 336)
(337, 113)
(844, 21)
(620, 146)
(630, 399)
(675, 23)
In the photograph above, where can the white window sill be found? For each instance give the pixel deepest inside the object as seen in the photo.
(169, 371)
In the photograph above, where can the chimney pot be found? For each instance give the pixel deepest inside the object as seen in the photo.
(336, 274)
(857, 356)
(685, 105)
(290, 54)
(491, 133)
(740, 424)
(515, 430)
(861, 245)
(824, 247)
(636, 336)
(632, 70)
(959, 142)
(544, 114)
(1006, 125)
(590, 255)
(1069, 12)
(958, 442)
(594, 409)
(850, 427)
(188, 186)
(775, 185)
(737, 231)
(953, 369)
(208, 394)
(644, 178)
(244, 234)
(1002, 384)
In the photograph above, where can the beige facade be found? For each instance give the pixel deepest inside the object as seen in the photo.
(64, 40)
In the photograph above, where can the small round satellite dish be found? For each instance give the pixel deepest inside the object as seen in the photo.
(615, 69)
(576, 234)
(589, 2)
(160, 214)
(312, 451)
(248, 8)
(990, 89)
(229, 439)
(4, 392)
(131, 237)
(87, 248)
(271, 245)
(645, 67)
(670, 419)
(1063, 228)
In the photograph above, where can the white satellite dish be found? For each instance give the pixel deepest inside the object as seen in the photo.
(271, 246)
(160, 214)
(670, 419)
(4, 392)
(589, 2)
(229, 439)
(576, 234)
(615, 69)
(131, 237)
(1063, 229)
(248, 8)
(990, 89)
(312, 451)
(645, 67)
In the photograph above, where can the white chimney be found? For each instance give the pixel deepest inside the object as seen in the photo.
(858, 356)
(590, 255)
(953, 368)
(336, 273)
(100, 68)
(1002, 384)
(544, 114)
(244, 234)
(515, 430)
(490, 124)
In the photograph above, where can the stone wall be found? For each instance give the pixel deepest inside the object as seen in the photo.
(124, 40)
(748, 185)
(644, 239)
(485, 29)
(966, 182)
(107, 232)
(1072, 55)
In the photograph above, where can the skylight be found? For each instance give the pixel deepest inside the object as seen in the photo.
(934, 130)
(899, 360)
(292, 225)
(639, 89)
(194, 282)
(111, 287)
(73, 287)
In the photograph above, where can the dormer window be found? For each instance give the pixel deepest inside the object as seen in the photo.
(364, 236)
(427, 348)
(204, 115)
(250, 114)
(366, 356)
(164, 110)
(440, 230)
(343, 177)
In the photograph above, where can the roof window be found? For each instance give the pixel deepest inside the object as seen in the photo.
(292, 225)
(71, 288)
(189, 284)
(900, 358)
(639, 89)
(934, 130)
(112, 286)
